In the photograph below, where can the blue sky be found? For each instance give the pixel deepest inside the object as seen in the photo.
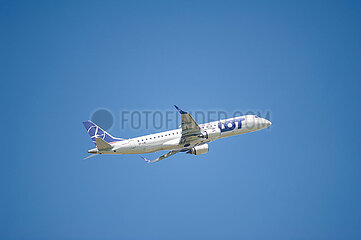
(62, 60)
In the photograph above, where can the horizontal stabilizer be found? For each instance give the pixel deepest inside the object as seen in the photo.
(93, 155)
(101, 144)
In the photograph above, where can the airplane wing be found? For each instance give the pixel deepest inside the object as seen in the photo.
(190, 128)
(168, 154)
(190, 131)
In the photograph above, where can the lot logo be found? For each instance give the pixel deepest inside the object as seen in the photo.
(230, 125)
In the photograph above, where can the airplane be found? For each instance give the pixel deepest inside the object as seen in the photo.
(190, 137)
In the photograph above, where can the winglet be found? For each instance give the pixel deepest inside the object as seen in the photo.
(180, 110)
(146, 160)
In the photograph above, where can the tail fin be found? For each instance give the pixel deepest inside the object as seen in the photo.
(96, 132)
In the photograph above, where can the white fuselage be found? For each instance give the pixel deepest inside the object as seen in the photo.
(171, 140)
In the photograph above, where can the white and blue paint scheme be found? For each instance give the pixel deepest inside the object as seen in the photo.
(191, 137)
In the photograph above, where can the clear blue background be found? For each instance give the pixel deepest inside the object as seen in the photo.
(61, 60)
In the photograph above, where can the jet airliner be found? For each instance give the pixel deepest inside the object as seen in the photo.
(191, 137)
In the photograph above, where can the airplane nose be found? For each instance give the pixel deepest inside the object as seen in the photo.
(268, 123)
(265, 123)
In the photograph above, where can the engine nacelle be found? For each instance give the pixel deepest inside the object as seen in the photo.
(211, 133)
(200, 149)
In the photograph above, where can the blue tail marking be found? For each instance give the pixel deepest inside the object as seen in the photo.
(96, 132)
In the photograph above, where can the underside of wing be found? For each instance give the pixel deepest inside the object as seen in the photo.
(190, 128)
(190, 131)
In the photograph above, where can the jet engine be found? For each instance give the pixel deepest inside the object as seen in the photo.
(210, 133)
(198, 150)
